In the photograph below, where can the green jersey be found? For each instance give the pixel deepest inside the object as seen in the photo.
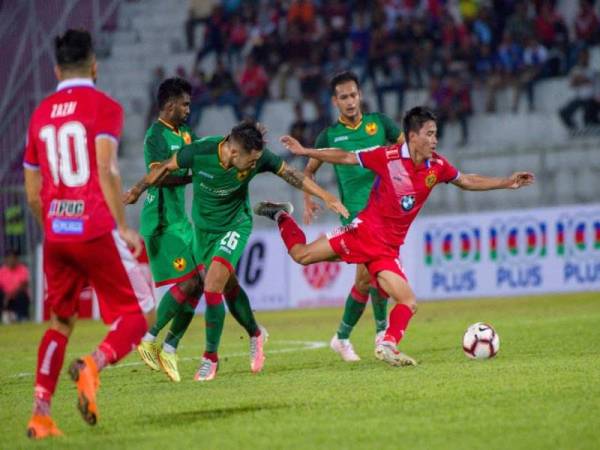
(164, 207)
(221, 195)
(354, 182)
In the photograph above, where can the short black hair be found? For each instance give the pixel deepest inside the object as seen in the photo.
(172, 88)
(248, 135)
(415, 118)
(73, 49)
(343, 77)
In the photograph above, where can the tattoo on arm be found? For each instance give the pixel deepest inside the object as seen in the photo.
(293, 176)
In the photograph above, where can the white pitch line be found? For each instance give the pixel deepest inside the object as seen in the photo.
(306, 345)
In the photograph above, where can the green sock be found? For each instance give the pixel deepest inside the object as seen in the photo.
(215, 319)
(352, 312)
(239, 307)
(180, 324)
(167, 308)
(379, 309)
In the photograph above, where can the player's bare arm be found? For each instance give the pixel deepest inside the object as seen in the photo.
(330, 155)
(475, 182)
(110, 183)
(310, 207)
(158, 173)
(297, 179)
(33, 185)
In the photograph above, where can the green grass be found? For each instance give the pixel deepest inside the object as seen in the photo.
(542, 391)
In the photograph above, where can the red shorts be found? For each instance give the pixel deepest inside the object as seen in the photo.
(355, 244)
(107, 265)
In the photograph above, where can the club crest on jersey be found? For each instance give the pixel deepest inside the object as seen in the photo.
(407, 202)
(242, 174)
(187, 139)
(430, 180)
(371, 128)
(179, 264)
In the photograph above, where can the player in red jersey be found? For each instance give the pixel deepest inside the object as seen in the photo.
(74, 189)
(406, 175)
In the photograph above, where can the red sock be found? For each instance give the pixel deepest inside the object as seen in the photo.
(125, 333)
(51, 355)
(290, 231)
(400, 315)
(359, 296)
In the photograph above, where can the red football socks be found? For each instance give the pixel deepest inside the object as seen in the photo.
(125, 333)
(51, 355)
(400, 315)
(290, 231)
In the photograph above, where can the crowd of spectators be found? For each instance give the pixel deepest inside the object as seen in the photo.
(14, 289)
(449, 48)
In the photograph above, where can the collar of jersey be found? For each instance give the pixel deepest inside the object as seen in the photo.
(170, 127)
(347, 125)
(406, 154)
(75, 82)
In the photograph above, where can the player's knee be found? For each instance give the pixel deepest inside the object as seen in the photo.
(64, 325)
(299, 254)
(362, 285)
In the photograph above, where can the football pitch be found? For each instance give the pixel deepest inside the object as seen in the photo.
(542, 391)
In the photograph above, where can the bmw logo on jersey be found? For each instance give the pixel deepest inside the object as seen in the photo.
(407, 202)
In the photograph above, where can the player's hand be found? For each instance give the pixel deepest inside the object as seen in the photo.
(293, 145)
(311, 208)
(132, 239)
(334, 204)
(520, 179)
(131, 196)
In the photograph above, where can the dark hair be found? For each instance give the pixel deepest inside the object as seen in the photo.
(73, 49)
(343, 77)
(415, 118)
(172, 88)
(248, 135)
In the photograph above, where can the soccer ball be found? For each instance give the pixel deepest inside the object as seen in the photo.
(481, 341)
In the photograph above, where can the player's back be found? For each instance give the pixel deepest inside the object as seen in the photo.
(61, 143)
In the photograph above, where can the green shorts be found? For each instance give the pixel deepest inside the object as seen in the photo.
(226, 247)
(171, 256)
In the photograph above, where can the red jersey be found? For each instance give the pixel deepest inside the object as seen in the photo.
(61, 143)
(400, 189)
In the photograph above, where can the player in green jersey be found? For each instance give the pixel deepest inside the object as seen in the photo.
(166, 230)
(222, 168)
(353, 131)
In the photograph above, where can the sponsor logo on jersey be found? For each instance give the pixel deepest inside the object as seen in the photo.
(205, 174)
(393, 152)
(179, 264)
(371, 128)
(66, 208)
(187, 139)
(407, 202)
(340, 138)
(175, 147)
(67, 226)
(430, 180)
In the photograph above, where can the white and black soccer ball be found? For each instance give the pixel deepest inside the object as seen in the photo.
(481, 341)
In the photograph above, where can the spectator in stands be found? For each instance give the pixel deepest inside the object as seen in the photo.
(553, 34)
(14, 289)
(360, 41)
(254, 86)
(157, 77)
(507, 63)
(452, 102)
(214, 34)
(238, 34)
(393, 82)
(198, 13)
(303, 14)
(534, 60)
(582, 78)
(312, 80)
(587, 29)
(223, 89)
(200, 97)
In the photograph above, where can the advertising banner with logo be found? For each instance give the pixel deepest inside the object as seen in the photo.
(507, 253)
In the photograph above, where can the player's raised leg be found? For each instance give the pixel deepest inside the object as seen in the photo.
(398, 289)
(124, 297)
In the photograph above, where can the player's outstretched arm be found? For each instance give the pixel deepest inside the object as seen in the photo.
(33, 186)
(156, 176)
(330, 155)
(310, 207)
(300, 181)
(110, 183)
(475, 182)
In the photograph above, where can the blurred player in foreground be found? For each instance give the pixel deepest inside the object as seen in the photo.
(406, 174)
(73, 187)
